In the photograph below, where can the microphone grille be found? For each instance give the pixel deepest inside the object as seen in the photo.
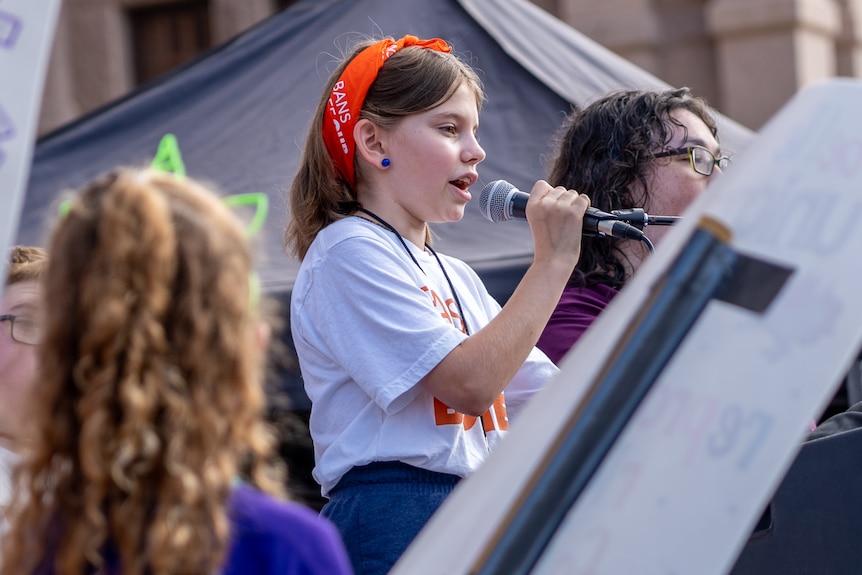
(494, 200)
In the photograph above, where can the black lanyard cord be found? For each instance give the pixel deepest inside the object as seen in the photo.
(392, 229)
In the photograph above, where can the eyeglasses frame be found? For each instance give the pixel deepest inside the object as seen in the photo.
(721, 161)
(11, 318)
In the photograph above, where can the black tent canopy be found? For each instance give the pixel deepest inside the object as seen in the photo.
(240, 114)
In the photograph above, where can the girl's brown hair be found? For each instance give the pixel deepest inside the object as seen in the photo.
(411, 81)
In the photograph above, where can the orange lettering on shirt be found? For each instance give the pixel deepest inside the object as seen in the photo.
(447, 309)
(493, 419)
(496, 417)
(439, 304)
(454, 315)
(445, 415)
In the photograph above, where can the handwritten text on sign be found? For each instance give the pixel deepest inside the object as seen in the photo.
(10, 29)
(26, 34)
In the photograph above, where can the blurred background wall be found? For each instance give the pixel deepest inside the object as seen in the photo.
(747, 57)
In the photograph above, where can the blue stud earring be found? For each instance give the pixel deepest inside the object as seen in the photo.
(385, 162)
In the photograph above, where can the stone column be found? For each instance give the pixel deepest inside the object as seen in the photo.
(232, 17)
(550, 6)
(99, 51)
(58, 100)
(850, 39)
(687, 53)
(767, 50)
(664, 37)
(628, 27)
(88, 65)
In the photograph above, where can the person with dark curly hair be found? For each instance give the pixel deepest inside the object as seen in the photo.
(656, 150)
(147, 449)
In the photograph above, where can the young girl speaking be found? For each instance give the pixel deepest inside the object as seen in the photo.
(411, 366)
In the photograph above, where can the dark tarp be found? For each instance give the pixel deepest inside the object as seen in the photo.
(240, 114)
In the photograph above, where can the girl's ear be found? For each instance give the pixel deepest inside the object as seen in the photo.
(370, 141)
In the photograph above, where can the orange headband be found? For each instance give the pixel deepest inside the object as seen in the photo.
(348, 95)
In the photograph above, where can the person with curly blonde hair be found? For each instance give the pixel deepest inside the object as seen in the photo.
(150, 401)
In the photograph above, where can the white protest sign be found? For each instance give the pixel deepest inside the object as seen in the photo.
(683, 484)
(26, 34)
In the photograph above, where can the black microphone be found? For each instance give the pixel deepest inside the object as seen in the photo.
(501, 201)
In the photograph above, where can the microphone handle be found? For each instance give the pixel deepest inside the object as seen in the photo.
(596, 222)
(518, 205)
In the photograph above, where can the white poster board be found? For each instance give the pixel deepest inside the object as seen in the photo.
(683, 485)
(26, 35)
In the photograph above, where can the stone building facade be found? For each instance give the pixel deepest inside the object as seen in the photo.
(747, 57)
(103, 49)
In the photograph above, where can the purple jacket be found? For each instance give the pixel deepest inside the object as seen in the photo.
(268, 536)
(272, 536)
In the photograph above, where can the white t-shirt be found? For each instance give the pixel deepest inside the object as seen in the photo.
(368, 324)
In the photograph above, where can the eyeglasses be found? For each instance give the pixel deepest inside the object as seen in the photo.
(702, 160)
(23, 329)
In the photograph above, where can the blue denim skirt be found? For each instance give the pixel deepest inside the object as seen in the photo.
(380, 508)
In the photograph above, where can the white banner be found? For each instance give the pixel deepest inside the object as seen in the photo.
(687, 478)
(26, 34)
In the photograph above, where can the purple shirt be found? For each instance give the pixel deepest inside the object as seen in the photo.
(273, 536)
(268, 536)
(575, 312)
